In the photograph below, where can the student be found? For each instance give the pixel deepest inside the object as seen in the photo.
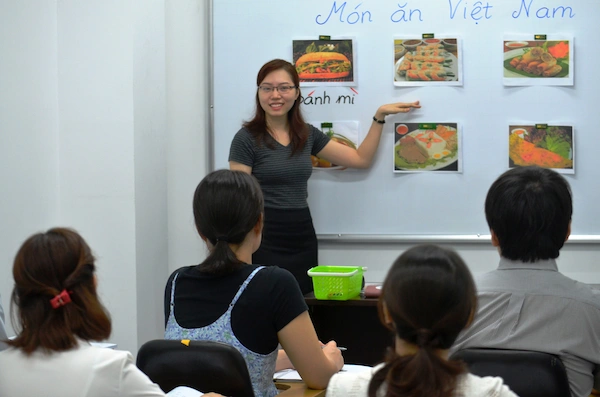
(59, 313)
(226, 298)
(275, 146)
(427, 298)
(526, 303)
(3, 336)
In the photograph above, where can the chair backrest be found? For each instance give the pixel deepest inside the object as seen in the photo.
(527, 373)
(203, 365)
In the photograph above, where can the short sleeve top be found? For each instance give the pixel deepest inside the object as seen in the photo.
(271, 301)
(283, 178)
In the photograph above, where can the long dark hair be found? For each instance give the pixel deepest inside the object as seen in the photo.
(46, 264)
(258, 125)
(429, 295)
(227, 205)
(529, 209)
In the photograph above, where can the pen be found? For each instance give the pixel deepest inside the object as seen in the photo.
(339, 347)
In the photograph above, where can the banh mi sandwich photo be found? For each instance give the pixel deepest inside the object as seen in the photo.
(323, 65)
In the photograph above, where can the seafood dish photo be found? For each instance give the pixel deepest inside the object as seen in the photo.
(426, 62)
(427, 147)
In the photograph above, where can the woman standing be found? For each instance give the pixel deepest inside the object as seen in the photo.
(428, 297)
(275, 146)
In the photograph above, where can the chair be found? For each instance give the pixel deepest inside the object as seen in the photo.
(203, 365)
(527, 373)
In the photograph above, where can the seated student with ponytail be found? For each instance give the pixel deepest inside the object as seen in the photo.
(59, 314)
(251, 307)
(428, 297)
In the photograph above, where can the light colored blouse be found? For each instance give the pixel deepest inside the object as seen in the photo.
(85, 371)
(469, 385)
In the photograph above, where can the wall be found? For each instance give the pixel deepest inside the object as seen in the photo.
(150, 154)
(83, 115)
(28, 127)
(187, 123)
(96, 146)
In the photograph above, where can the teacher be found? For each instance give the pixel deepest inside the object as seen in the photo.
(275, 146)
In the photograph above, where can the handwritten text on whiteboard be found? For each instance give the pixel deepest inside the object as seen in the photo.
(355, 12)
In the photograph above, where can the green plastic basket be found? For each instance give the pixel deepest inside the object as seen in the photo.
(336, 282)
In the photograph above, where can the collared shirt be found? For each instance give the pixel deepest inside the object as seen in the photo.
(532, 306)
(3, 335)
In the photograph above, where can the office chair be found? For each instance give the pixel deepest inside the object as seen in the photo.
(527, 373)
(203, 365)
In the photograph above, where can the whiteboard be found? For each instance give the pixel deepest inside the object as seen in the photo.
(377, 201)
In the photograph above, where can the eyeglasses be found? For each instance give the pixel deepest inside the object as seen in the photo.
(282, 89)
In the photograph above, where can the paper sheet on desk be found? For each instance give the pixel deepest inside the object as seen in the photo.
(291, 375)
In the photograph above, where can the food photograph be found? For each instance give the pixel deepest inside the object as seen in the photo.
(324, 62)
(538, 62)
(542, 145)
(428, 61)
(344, 132)
(427, 147)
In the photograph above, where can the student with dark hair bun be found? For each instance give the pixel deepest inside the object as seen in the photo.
(428, 297)
(55, 303)
(228, 299)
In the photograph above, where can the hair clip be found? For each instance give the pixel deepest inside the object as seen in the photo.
(61, 299)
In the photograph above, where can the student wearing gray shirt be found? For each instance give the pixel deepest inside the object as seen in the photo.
(526, 303)
(275, 146)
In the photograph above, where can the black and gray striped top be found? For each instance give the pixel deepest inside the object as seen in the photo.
(283, 178)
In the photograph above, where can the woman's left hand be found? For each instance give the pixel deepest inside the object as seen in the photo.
(393, 108)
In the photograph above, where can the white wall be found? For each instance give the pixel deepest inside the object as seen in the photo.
(84, 144)
(96, 146)
(187, 123)
(28, 127)
(150, 154)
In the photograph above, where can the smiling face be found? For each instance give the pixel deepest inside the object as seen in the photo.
(275, 104)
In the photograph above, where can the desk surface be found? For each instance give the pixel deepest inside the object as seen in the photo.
(297, 389)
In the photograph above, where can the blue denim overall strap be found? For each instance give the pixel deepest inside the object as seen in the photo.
(260, 366)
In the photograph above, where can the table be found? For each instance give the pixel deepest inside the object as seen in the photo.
(353, 324)
(297, 389)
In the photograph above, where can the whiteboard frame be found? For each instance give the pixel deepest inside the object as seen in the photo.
(354, 238)
(439, 239)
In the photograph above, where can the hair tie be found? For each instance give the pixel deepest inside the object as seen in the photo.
(424, 337)
(61, 299)
(222, 238)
